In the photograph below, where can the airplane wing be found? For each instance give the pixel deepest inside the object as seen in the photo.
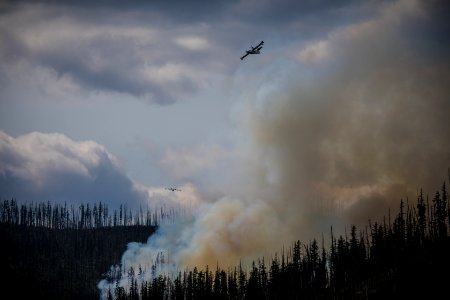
(260, 45)
(244, 56)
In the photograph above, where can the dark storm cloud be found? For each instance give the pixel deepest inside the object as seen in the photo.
(201, 10)
(183, 11)
(52, 167)
(126, 51)
(134, 47)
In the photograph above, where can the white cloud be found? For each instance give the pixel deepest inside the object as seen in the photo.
(194, 43)
(50, 166)
(38, 155)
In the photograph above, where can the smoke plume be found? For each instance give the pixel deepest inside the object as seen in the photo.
(360, 122)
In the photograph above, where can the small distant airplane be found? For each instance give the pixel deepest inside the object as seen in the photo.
(253, 50)
(173, 189)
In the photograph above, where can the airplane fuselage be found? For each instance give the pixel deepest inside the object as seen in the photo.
(253, 51)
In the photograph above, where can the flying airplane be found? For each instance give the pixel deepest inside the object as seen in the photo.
(253, 50)
(173, 189)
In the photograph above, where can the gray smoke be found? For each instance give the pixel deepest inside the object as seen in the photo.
(367, 126)
(359, 121)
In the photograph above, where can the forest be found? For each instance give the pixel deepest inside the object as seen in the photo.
(54, 252)
(406, 257)
(60, 252)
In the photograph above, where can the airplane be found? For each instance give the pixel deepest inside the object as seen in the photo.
(173, 189)
(253, 50)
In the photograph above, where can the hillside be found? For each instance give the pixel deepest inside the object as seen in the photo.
(46, 263)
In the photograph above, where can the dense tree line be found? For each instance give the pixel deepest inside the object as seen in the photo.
(84, 216)
(44, 263)
(407, 257)
(60, 252)
(55, 252)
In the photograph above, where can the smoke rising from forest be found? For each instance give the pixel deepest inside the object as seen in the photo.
(366, 126)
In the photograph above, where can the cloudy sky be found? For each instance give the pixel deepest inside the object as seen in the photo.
(344, 112)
